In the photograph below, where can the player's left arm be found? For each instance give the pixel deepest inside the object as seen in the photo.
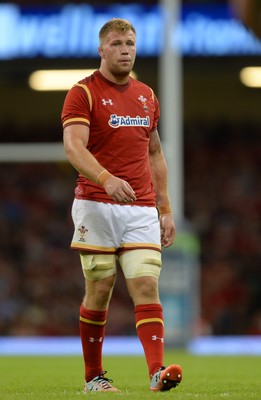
(159, 172)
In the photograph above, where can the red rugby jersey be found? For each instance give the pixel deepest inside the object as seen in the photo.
(120, 118)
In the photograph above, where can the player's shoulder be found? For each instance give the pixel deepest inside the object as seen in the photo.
(139, 85)
(88, 80)
(86, 86)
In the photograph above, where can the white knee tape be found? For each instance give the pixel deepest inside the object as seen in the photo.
(98, 266)
(142, 262)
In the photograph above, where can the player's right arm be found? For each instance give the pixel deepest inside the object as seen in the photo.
(75, 139)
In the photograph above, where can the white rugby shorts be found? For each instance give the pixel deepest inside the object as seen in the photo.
(112, 228)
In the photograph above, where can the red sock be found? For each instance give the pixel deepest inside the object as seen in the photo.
(92, 329)
(150, 329)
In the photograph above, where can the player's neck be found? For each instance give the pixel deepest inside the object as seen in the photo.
(118, 79)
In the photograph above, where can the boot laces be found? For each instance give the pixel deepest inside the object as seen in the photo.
(104, 382)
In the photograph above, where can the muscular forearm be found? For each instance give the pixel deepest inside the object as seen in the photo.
(75, 142)
(160, 181)
(84, 162)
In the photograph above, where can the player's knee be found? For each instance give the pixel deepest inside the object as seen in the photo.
(147, 287)
(138, 263)
(98, 266)
(98, 293)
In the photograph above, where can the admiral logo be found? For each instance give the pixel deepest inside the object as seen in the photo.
(116, 121)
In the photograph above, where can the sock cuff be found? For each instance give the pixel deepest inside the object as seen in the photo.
(148, 307)
(92, 316)
(148, 314)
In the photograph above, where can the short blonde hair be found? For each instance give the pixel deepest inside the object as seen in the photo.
(117, 25)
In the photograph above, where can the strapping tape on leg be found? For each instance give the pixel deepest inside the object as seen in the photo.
(98, 266)
(142, 262)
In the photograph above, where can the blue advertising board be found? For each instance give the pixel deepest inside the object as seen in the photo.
(71, 31)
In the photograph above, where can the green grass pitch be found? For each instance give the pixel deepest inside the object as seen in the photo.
(61, 378)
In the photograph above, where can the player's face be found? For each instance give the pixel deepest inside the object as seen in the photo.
(118, 52)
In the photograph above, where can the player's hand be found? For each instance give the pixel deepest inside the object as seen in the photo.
(119, 190)
(168, 230)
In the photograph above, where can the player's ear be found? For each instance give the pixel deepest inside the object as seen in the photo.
(101, 52)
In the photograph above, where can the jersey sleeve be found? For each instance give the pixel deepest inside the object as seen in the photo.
(156, 112)
(77, 106)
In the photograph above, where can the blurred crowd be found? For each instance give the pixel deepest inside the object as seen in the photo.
(41, 284)
(223, 202)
